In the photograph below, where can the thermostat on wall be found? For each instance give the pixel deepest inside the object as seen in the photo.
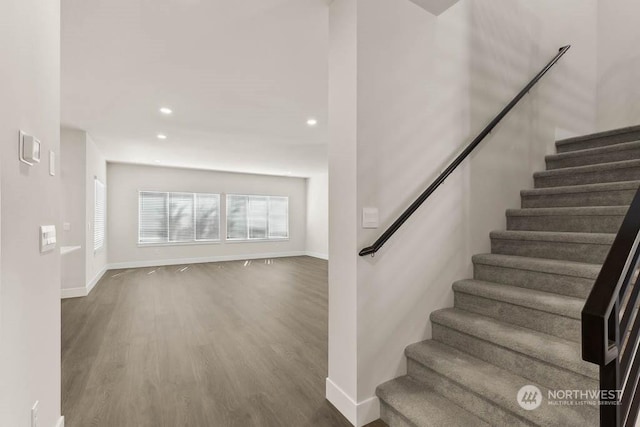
(29, 149)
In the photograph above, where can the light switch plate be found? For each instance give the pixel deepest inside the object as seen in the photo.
(369, 217)
(52, 163)
(47, 238)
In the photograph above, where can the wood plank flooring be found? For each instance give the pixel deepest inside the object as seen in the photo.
(222, 344)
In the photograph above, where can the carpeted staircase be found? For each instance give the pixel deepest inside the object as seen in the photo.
(517, 322)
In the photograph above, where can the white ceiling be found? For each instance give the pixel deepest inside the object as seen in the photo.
(242, 77)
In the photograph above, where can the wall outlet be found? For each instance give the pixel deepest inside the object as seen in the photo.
(34, 414)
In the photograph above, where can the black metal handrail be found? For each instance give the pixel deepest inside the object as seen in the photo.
(371, 250)
(611, 325)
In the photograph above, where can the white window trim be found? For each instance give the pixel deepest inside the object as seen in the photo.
(97, 182)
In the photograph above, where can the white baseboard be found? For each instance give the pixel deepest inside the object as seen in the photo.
(368, 411)
(201, 260)
(83, 292)
(358, 414)
(96, 279)
(73, 293)
(318, 255)
(60, 422)
(342, 401)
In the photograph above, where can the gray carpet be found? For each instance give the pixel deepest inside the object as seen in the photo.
(517, 322)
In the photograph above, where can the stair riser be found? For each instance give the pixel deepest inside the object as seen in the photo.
(548, 323)
(560, 284)
(579, 224)
(528, 367)
(569, 251)
(485, 409)
(599, 142)
(594, 177)
(391, 417)
(600, 198)
(614, 156)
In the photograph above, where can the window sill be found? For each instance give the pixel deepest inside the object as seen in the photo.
(256, 240)
(196, 243)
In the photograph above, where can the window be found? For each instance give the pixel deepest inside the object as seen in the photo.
(99, 214)
(257, 217)
(167, 218)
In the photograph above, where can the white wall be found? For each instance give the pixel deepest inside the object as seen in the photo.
(413, 113)
(341, 385)
(124, 182)
(73, 155)
(618, 63)
(96, 167)
(425, 87)
(318, 216)
(29, 280)
(80, 163)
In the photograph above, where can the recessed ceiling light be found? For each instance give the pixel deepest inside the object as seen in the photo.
(312, 122)
(165, 110)
(162, 136)
(157, 161)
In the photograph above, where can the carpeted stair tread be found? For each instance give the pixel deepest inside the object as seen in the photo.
(599, 139)
(547, 348)
(493, 384)
(586, 188)
(542, 301)
(592, 156)
(590, 219)
(518, 321)
(627, 170)
(554, 236)
(564, 268)
(423, 407)
(599, 194)
(570, 211)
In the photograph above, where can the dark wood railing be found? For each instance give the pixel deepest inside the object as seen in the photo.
(371, 250)
(610, 325)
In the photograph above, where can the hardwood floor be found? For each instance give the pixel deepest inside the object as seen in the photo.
(219, 344)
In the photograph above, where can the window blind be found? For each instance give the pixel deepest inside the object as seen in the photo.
(207, 217)
(99, 214)
(236, 217)
(278, 217)
(257, 217)
(181, 221)
(167, 218)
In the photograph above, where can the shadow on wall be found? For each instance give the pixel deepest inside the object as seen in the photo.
(414, 96)
(618, 94)
(510, 42)
(427, 86)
